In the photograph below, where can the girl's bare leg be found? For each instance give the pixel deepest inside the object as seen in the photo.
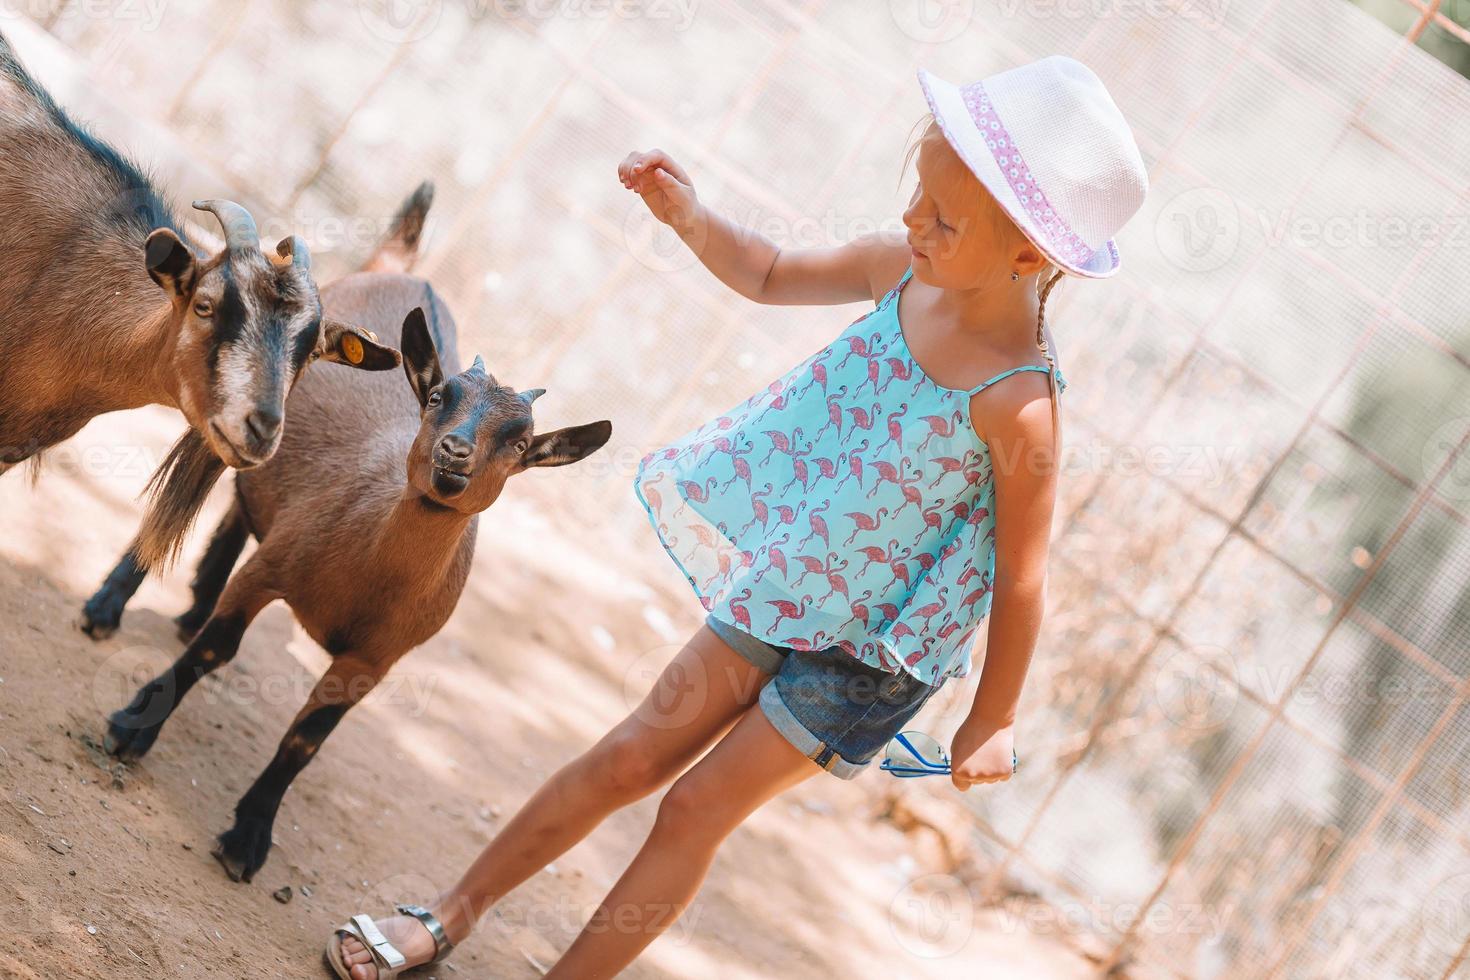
(749, 766)
(699, 695)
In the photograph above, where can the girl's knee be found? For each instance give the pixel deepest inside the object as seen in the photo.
(694, 806)
(626, 764)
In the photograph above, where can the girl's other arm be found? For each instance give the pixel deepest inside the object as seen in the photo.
(1017, 423)
(753, 265)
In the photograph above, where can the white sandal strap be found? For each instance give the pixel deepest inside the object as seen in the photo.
(385, 955)
(442, 945)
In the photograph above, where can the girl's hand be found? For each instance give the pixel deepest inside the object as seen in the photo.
(981, 753)
(663, 185)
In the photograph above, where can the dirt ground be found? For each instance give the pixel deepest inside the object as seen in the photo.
(105, 871)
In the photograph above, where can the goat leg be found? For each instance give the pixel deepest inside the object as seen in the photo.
(242, 850)
(102, 614)
(214, 571)
(131, 731)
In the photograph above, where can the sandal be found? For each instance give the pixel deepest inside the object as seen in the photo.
(389, 962)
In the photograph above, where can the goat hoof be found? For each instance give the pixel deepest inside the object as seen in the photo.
(242, 849)
(129, 736)
(102, 615)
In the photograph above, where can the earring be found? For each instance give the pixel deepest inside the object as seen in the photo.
(1015, 276)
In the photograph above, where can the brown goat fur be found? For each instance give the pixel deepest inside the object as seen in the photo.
(366, 518)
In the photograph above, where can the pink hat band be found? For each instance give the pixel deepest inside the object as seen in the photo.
(1059, 235)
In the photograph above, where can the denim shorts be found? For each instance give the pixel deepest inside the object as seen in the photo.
(838, 711)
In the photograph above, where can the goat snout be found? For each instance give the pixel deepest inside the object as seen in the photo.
(455, 448)
(263, 424)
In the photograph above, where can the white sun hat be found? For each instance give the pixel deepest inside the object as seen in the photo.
(1048, 142)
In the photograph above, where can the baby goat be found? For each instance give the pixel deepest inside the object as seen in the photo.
(103, 305)
(370, 553)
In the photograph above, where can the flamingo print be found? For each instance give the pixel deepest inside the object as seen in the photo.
(899, 369)
(862, 419)
(775, 558)
(818, 524)
(816, 565)
(786, 609)
(928, 612)
(949, 464)
(781, 443)
(877, 554)
(931, 520)
(859, 610)
(857, 347)
(854, 466)
(740, 464)
(865, 522)
(834, 412)
(699, 493)
(760, 512)
(738, 610)
(895, 427)
(940, 425)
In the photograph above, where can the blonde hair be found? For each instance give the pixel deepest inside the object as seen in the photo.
(927, 130)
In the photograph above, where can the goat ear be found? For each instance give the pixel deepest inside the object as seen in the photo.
(343, 343)
(170, 262)
(567, 445)
(420, 359)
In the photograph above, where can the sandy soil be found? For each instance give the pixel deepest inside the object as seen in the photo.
(105, 870)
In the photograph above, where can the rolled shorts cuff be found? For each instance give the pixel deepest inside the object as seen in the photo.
(791, 728)
(764, 656)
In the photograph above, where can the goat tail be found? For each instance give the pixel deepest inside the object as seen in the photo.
(176, 492)
(400, 249)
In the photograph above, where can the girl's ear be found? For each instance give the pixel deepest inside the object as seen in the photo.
(420, 359)
(1028, 259)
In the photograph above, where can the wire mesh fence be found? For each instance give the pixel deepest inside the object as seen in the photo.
(1247, 731)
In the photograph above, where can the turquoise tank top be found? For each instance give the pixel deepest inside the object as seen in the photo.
(849, 503)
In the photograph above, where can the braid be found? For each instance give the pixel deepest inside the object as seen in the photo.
(1043, 291)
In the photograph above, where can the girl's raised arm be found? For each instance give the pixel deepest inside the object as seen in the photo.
(753, 265)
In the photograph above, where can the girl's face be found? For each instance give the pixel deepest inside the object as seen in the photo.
(959, 236)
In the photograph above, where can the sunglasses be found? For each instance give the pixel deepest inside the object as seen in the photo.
(913, 754)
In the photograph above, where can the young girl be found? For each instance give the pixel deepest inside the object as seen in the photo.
(849, 527)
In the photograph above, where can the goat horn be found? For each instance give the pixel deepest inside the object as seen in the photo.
(479, 364)
(239, 227)
(294, 248)
(531, 394)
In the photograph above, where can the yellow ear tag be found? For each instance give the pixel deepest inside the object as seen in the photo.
(352, 349)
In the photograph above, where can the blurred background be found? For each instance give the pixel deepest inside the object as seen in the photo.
(1246, 737)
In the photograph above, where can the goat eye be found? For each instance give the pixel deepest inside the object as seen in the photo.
(203, 307)
(521, 446)
(435, 397)
(315, 353)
